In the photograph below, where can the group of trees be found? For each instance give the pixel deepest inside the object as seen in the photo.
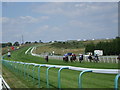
(10, 44)
(17, 43)
(109, 48)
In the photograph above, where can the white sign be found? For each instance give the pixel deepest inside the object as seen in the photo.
(98, 52)
(53, 52)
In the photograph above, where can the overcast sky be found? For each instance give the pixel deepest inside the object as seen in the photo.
(49, 21)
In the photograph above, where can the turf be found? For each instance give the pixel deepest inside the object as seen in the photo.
(13, 80)
(69, 78)
(19, 55)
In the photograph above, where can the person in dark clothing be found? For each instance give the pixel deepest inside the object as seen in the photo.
(96, 58)
(81, 58)
(90, 58)
(65, 58)
(118, 58)
(46, 58)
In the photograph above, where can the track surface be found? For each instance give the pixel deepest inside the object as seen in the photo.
(106, 71)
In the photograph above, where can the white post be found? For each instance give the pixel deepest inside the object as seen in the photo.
(104, 59)
(108, 59)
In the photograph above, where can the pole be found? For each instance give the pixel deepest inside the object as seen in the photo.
(47, 74)
(59, 82)
(116, 82)
(34, 73)
(80, 77)
(39, 75)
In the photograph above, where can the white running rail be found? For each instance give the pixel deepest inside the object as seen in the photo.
(3, 84)
(103, 59)
(105, 71)
(28, 50)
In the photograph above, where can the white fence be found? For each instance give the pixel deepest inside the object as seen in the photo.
(105, 71)
(102, 59)
(3, 84)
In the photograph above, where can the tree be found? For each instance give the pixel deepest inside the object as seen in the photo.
(40, 41)
(109, 48)
(9, 44)
(4, 45)
(16, 44)
(35, 42)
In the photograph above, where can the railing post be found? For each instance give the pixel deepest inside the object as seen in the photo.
(21, 68)
(59, 82)
(34, 73)
(47, 74)
(116, 82)
(28, 70)
(80, 78)
(14, 66)
(24, 70)
(39, 75)
(17, 67)
(11, 66)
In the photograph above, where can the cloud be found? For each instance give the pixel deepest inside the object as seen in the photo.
(24, 19)
(48, 8)
(28, 19)
(43, 28)
(74, 9)
(47, 29)
(4, 19)
(62, 21)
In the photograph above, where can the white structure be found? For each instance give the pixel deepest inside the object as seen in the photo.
(98, 52)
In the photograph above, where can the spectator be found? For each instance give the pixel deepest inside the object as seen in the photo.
(9, 54)
(81, 57)
(90, 58)
(46, 58)
(118, 58)
(96, 58)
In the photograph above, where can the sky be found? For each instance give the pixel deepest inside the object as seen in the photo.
(50, 21)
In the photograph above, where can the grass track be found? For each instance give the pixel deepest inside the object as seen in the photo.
(20, 56)
(69, 77)
(13, 80)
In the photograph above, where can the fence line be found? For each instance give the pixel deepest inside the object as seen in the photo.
(104, 59)
(105, 71)
(27, 50)
(3, 84)
(22, 70)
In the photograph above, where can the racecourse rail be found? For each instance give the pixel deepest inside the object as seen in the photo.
(21, 68)
(3, 84)
(106, 71)
(104, 59)
(16, 66)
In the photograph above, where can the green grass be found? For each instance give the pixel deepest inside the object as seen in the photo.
(69, 78)
(20, 56)
(13, 80)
